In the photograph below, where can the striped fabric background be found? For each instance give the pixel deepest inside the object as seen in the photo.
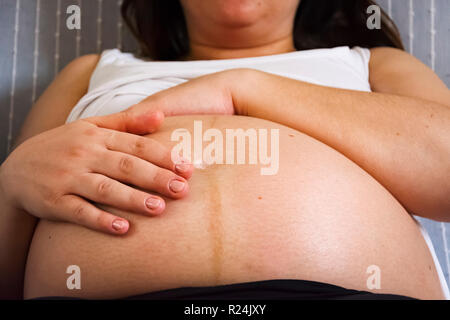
(35, 45)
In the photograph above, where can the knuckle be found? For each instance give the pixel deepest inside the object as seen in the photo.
(140, 147)
(91, 132)
(104, 187)
(125, 115)
(77, 151)
(64, 175)
(124, 118)
(78, 125)
(80, 213)
(125, 165)
(109, 138)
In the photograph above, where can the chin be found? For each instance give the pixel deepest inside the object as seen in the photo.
(235, 13)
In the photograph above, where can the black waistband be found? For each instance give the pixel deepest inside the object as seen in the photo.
(283, 289)
(269, 290)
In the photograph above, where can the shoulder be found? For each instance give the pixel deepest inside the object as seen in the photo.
(76, 75)
(74, 79)
(392, 61)
(55, 104)
(385, 61)
(89, 60)
(388, 51)
(385, 57)
(395, 71)
(83, 66)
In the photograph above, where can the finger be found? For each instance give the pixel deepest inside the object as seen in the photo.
(149, 150)
(80, 211)
(107, 191)
(133, 120)
(140, 173)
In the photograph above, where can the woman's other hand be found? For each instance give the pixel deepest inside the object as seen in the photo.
(57, 174)
(204, 95)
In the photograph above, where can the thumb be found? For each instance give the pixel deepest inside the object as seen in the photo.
(131, 120)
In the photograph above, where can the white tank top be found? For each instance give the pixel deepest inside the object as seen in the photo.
(121, 80)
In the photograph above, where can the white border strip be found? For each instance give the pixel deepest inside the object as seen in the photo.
(13, 77)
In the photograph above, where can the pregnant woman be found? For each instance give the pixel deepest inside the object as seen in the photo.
(360, 143)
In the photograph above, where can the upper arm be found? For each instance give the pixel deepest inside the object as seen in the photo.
(394, 71)
(53, 107)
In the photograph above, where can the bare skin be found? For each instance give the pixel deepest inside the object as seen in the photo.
(319, 218)
(238, 29)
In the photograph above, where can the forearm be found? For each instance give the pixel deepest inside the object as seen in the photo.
(402, 142)
(16, 231)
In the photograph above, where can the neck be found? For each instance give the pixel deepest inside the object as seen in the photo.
(201, 51)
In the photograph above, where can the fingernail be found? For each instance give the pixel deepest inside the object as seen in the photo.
(176, 186)
(153, 203)
(119, 225)
(183, 167)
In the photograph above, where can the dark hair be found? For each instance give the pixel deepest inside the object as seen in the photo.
(160, 26)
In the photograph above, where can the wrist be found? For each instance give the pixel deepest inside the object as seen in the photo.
(2, 183)
(9, 211)
(240, 84)
(5, 200)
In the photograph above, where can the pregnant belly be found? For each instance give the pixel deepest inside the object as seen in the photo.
(319, 217)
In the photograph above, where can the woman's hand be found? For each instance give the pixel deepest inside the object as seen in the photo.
(209, 94)
(56, 174)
